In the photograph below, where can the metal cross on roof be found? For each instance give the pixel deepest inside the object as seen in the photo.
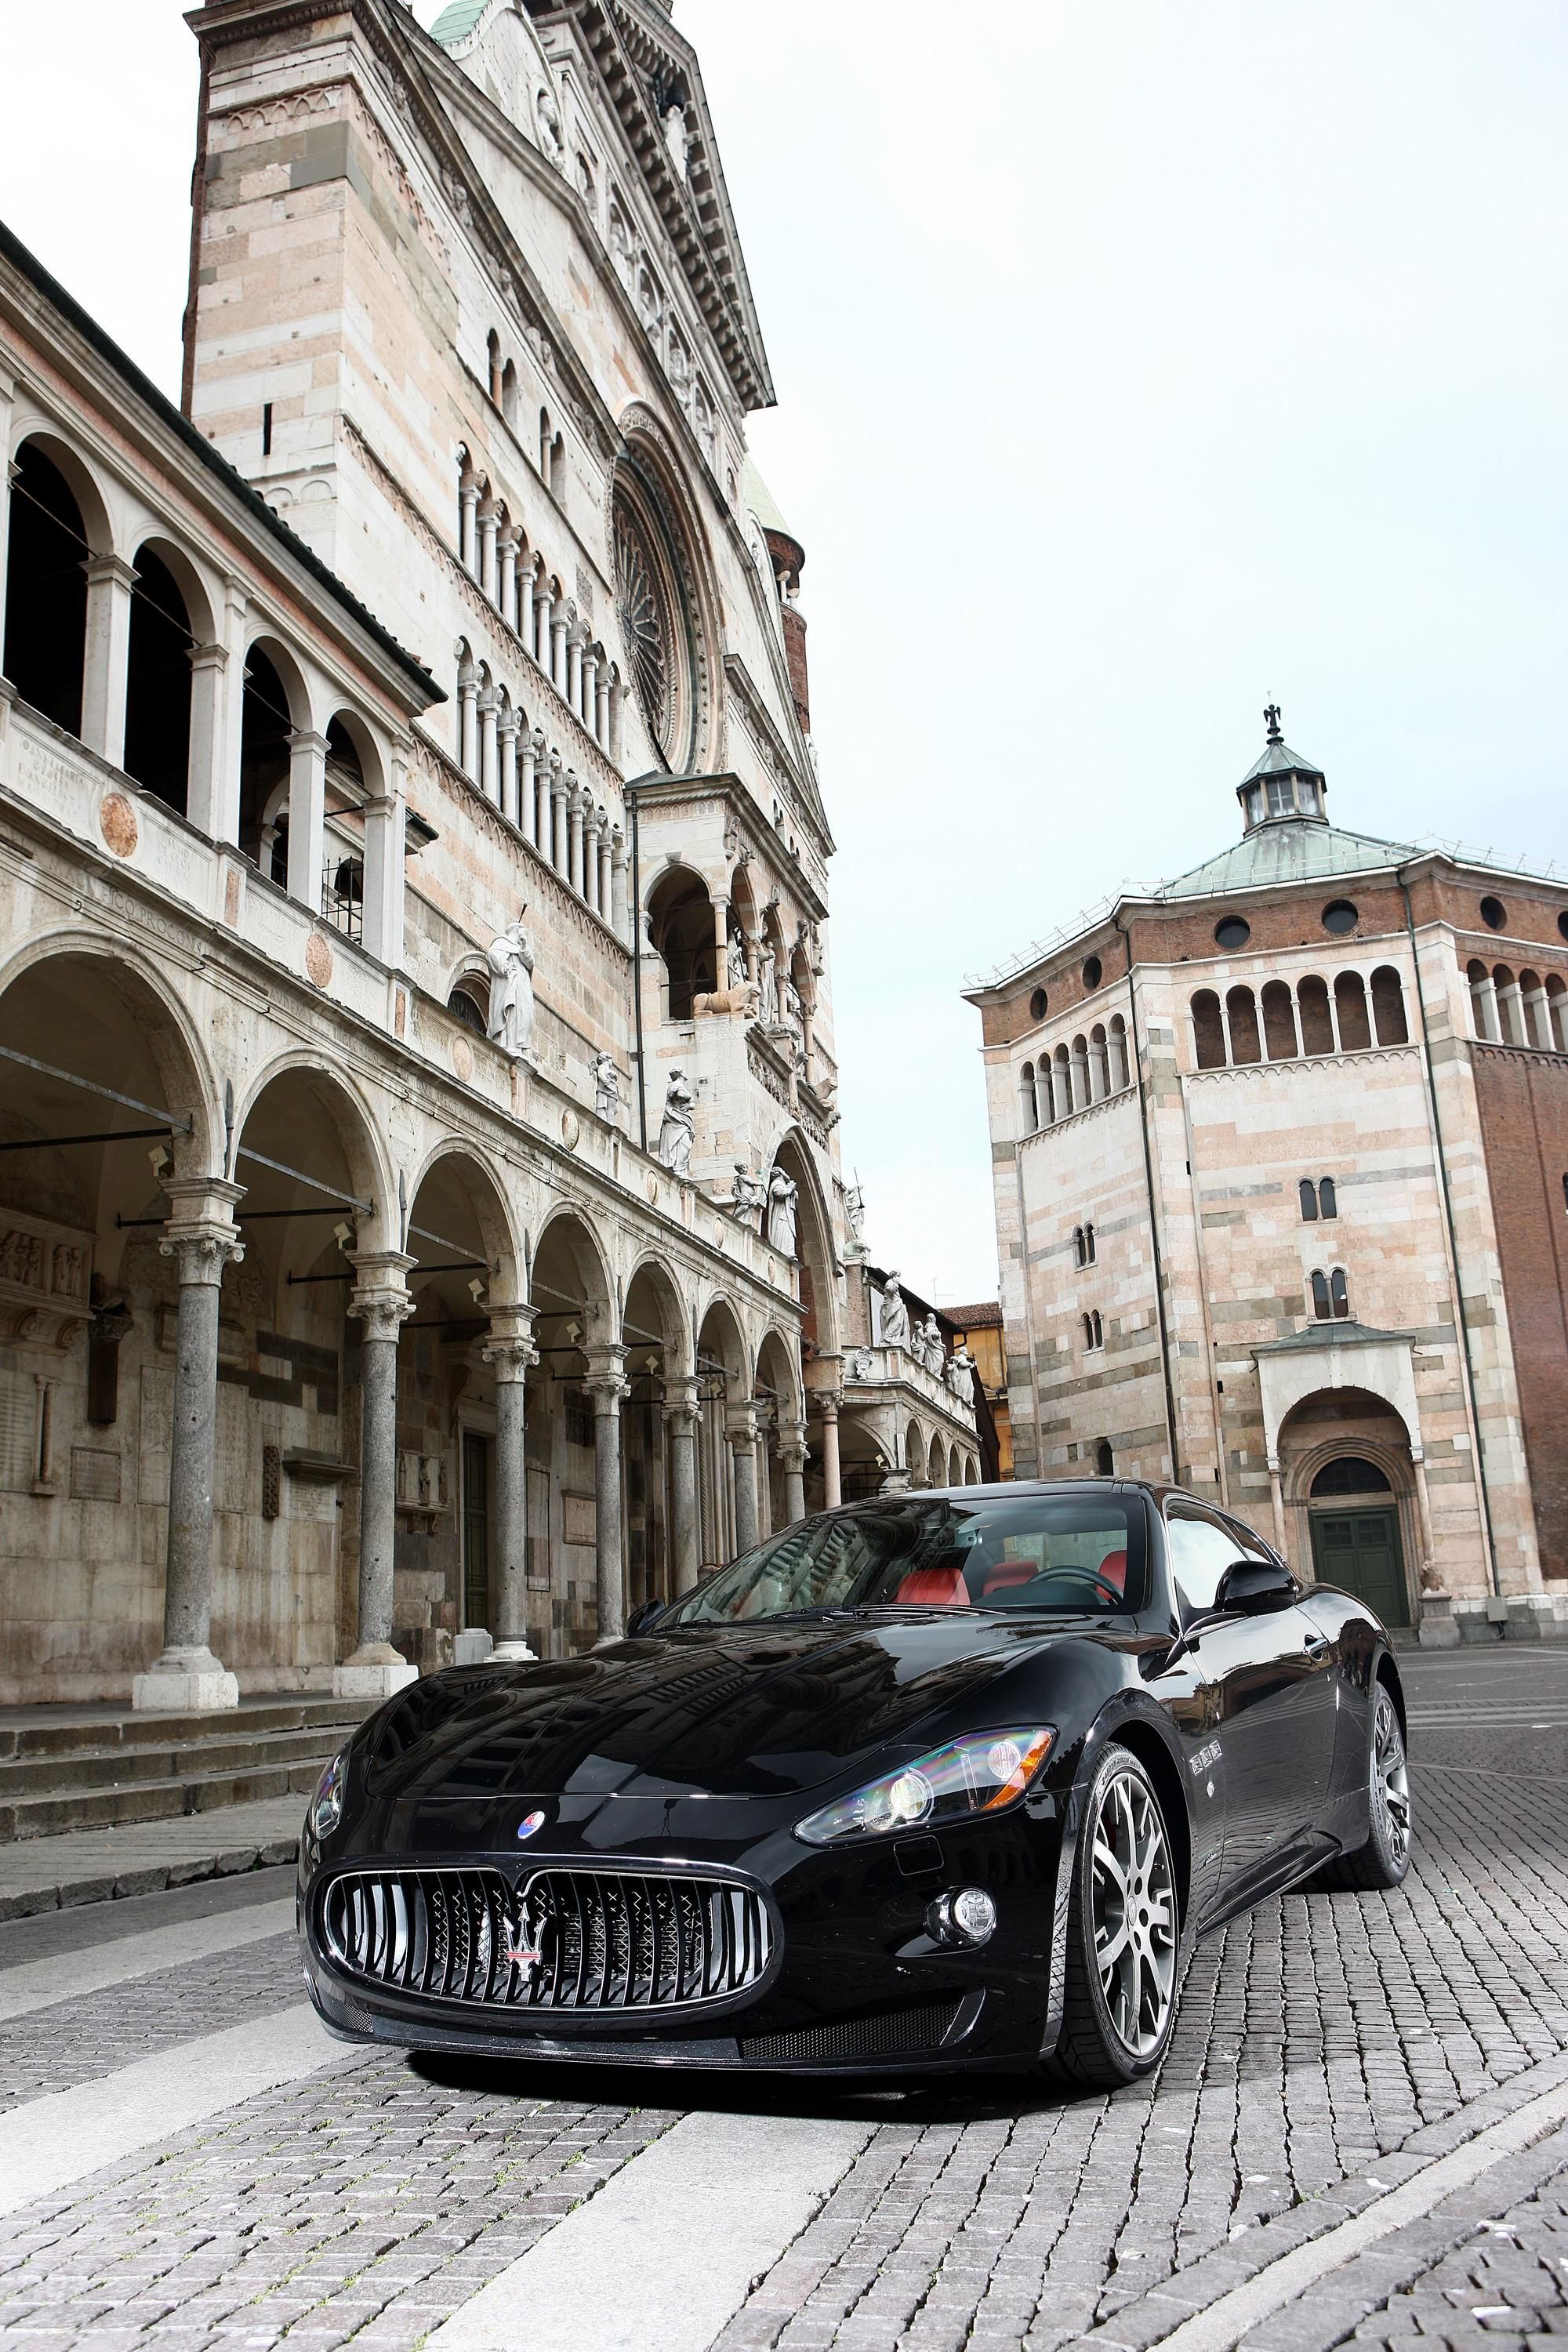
(1271, 720)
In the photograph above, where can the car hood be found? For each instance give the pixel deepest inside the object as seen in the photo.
(731, 1712)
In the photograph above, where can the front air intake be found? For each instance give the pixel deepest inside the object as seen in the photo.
(564, 1939)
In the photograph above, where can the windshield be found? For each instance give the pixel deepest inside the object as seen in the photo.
(1072, 1554)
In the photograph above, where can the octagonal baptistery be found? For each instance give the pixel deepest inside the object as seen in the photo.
(1258, 1131)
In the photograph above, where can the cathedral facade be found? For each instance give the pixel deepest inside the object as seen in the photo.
(1281, 1194)
(421, 1222)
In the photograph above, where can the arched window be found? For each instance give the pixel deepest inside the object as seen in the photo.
(1077, 1256)
(468, 504)
(1104, 1460)
(493, 355)
(1317, 1025)
(1388, 1007)
(508, 394)
(266, 725)
(1278, 1022)
(1088, 1245)
(1327, 1197)
(1088, 1322)
(1350, 1004)
(1339, 1292)
(1246, 1046)
(1099, 1064)
(546, 434)
(1319, 1283)
(1557, 1012)
(465, 1002)
(1081, 1094)
(1099, 1329)
(1483, 1002)
(1119, 1076)
(45, 595)
(1309, 1196)
(158, 683)
(1350, 1474)
(1026, 1102)
(1208, 1031)
(680, 925)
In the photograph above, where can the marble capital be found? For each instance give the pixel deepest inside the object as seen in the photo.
(607, 1381)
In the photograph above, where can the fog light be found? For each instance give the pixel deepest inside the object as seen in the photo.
(964, 1914)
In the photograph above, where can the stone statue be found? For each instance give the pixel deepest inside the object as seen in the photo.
(855, 1210)
(765, 964)
(784, 1209)
(548, 115)
(676, 138)
(512, 990)
(932, 1352)
(960, 1375)
(895, 1315)
(735, 962)
(606, 1087)
(858, 1365)
(750, 1193)
(677, 1128)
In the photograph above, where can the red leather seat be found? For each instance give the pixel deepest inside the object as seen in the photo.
(1007, 1573)
(941, 1588)
(1112, 1571)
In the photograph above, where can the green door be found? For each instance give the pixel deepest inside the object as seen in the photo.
(1359, 1551)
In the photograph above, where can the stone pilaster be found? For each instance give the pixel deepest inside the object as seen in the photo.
(512, 1356)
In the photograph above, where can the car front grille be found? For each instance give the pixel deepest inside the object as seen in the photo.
(565, 1940)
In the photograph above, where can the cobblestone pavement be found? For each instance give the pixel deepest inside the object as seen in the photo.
(1328, 2048)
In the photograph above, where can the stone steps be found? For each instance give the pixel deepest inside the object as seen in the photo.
(104, 1771)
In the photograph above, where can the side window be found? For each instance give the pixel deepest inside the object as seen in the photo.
(1201, 1551)
(1247, 1545)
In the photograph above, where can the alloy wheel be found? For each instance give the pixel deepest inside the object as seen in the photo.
(1390, 1781)
(1133, 1906)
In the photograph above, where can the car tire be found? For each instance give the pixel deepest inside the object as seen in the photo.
(1123, 1935)
(1384, 1859)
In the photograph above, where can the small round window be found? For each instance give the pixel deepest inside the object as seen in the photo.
(1340, 915)
(1093, 973)
(1037, 1003)
(1232, 933)
(1494, 914)
(1563, 924)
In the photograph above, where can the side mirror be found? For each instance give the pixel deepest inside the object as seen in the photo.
(1254, 1587)
(643, 1617)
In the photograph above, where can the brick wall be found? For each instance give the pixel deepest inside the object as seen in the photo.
(1523, 1103)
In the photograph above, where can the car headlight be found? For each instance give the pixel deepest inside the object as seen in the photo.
(983, 1773)
(327, 1804)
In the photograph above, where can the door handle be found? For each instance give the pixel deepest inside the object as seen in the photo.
(1317, 1645)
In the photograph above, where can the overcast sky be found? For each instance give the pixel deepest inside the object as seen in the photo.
(1137, 366)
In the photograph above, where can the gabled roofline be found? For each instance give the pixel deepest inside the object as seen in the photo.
(49, 289)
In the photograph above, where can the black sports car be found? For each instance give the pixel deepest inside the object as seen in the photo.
(943, 1781)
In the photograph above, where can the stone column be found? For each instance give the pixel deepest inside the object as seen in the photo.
(560, 794)
(741, 1429)
(307, 815)
(558, 628)
(590, 855)
(186, 1679)
(527, 809)
(607, 1385)
(574, 670)
(792, 1453)
(543, 786)
(108, 585)
(543, 604)
(681, 1414)
(602, 713)
(620, 921)
(1424, 1519)
(574, 833)
(606, 869)
(225, 823)
(468, 505)
(590, 689)
(383, 875)
(468, 720)
(1277, 1496)
(381, 1301)
(506, 724)
(489, 772)
(204, 772)
(832, 1490)
(525, 604)
(488, 523)
(721, 942)
(506, 591)
(511, 1355)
